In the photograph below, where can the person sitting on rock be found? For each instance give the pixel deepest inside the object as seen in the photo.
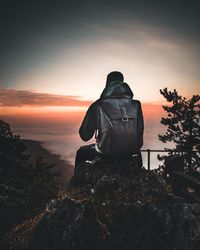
(116, 120)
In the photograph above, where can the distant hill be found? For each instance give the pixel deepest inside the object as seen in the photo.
(36, 149)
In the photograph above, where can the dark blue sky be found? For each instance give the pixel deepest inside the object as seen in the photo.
(33, 33)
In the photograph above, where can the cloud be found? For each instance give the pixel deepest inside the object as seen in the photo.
(20, 98)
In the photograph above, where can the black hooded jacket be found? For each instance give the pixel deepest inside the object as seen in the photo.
(113, 90)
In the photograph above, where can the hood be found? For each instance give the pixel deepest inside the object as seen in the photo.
(117, 89)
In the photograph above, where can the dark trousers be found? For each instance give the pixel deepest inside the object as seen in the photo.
(88, 153)
(85, 153)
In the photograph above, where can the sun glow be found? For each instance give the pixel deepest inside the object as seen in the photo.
(66, 112)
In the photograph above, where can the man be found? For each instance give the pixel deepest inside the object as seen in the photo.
(117, 122)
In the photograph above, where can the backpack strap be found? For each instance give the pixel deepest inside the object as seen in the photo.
(123, 112)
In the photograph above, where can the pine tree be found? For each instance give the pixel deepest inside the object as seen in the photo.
(13, 164)
(183, 128)
(25, 185)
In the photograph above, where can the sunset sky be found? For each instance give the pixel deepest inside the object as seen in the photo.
(68, 48)
(55, 55)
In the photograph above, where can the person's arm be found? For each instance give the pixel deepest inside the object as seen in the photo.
(140, 125)
(88, 125)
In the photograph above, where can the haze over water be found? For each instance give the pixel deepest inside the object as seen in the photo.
(58, 130)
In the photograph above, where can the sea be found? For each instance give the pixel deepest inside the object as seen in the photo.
(58, 132)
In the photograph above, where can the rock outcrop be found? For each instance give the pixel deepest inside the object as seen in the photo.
(114, 205)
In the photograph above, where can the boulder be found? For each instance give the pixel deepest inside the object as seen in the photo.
(114, 205)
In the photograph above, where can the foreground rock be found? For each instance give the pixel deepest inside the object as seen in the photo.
(113, 205)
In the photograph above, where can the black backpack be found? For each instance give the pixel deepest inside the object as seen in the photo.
(117, 133)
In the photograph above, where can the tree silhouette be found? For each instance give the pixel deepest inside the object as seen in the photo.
(183, 129)
(13, 163)
(25, 185)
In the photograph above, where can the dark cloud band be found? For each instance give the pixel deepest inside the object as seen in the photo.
(17, 98)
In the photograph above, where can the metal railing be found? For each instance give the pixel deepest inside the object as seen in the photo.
(163, 151)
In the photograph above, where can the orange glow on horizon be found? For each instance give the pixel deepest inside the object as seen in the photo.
(68, 112)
